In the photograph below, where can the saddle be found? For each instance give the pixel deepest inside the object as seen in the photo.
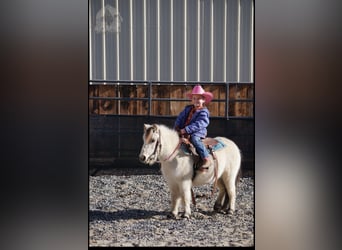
(210, 143)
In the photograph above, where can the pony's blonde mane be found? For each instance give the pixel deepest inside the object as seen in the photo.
(167, 129)
(169, 138)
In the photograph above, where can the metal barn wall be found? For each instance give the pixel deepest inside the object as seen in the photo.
(171, 40)
(168, 40)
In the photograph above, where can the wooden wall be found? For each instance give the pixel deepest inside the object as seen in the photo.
(238, 105)
(116, 126)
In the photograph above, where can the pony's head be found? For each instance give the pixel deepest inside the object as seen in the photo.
(150, 150)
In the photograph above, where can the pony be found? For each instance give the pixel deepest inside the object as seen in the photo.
(162, 145)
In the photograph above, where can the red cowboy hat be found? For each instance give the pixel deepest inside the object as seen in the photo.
(198, 90)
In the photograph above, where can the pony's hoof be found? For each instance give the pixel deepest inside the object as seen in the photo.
(217, 208)
(187, 216)
(230, 212)
(173, 216)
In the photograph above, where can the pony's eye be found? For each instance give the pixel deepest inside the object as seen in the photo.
(153, 140)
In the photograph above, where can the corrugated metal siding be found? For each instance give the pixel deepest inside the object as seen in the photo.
(171, 40)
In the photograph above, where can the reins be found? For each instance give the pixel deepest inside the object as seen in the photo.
(172, 155)
(175, 150)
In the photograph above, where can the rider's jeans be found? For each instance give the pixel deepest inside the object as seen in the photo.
(200, 148)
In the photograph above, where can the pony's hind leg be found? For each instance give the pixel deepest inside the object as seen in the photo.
(231, 197)
(222, 193)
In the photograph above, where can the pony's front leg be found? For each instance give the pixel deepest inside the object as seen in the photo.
(186, 195)
(175, 202)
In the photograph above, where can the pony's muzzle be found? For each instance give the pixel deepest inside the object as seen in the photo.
(142, 158)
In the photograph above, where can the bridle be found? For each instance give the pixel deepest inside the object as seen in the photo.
(158, 147)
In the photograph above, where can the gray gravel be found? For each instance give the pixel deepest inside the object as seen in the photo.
(132, 210)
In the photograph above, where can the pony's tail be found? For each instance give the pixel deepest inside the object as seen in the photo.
(238, 176)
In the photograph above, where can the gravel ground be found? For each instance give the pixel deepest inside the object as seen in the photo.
(132, 210)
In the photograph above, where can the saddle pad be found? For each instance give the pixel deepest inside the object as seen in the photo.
(217, 147)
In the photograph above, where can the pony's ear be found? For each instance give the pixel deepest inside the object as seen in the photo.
(146, 126)
(155, 128)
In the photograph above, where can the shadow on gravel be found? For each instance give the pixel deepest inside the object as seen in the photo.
(124, 215)
(98, 171)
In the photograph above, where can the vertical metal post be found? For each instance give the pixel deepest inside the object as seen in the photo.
(149, 98)
(238, 41)
(118, 95)
(104, 42)
(227, 100)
